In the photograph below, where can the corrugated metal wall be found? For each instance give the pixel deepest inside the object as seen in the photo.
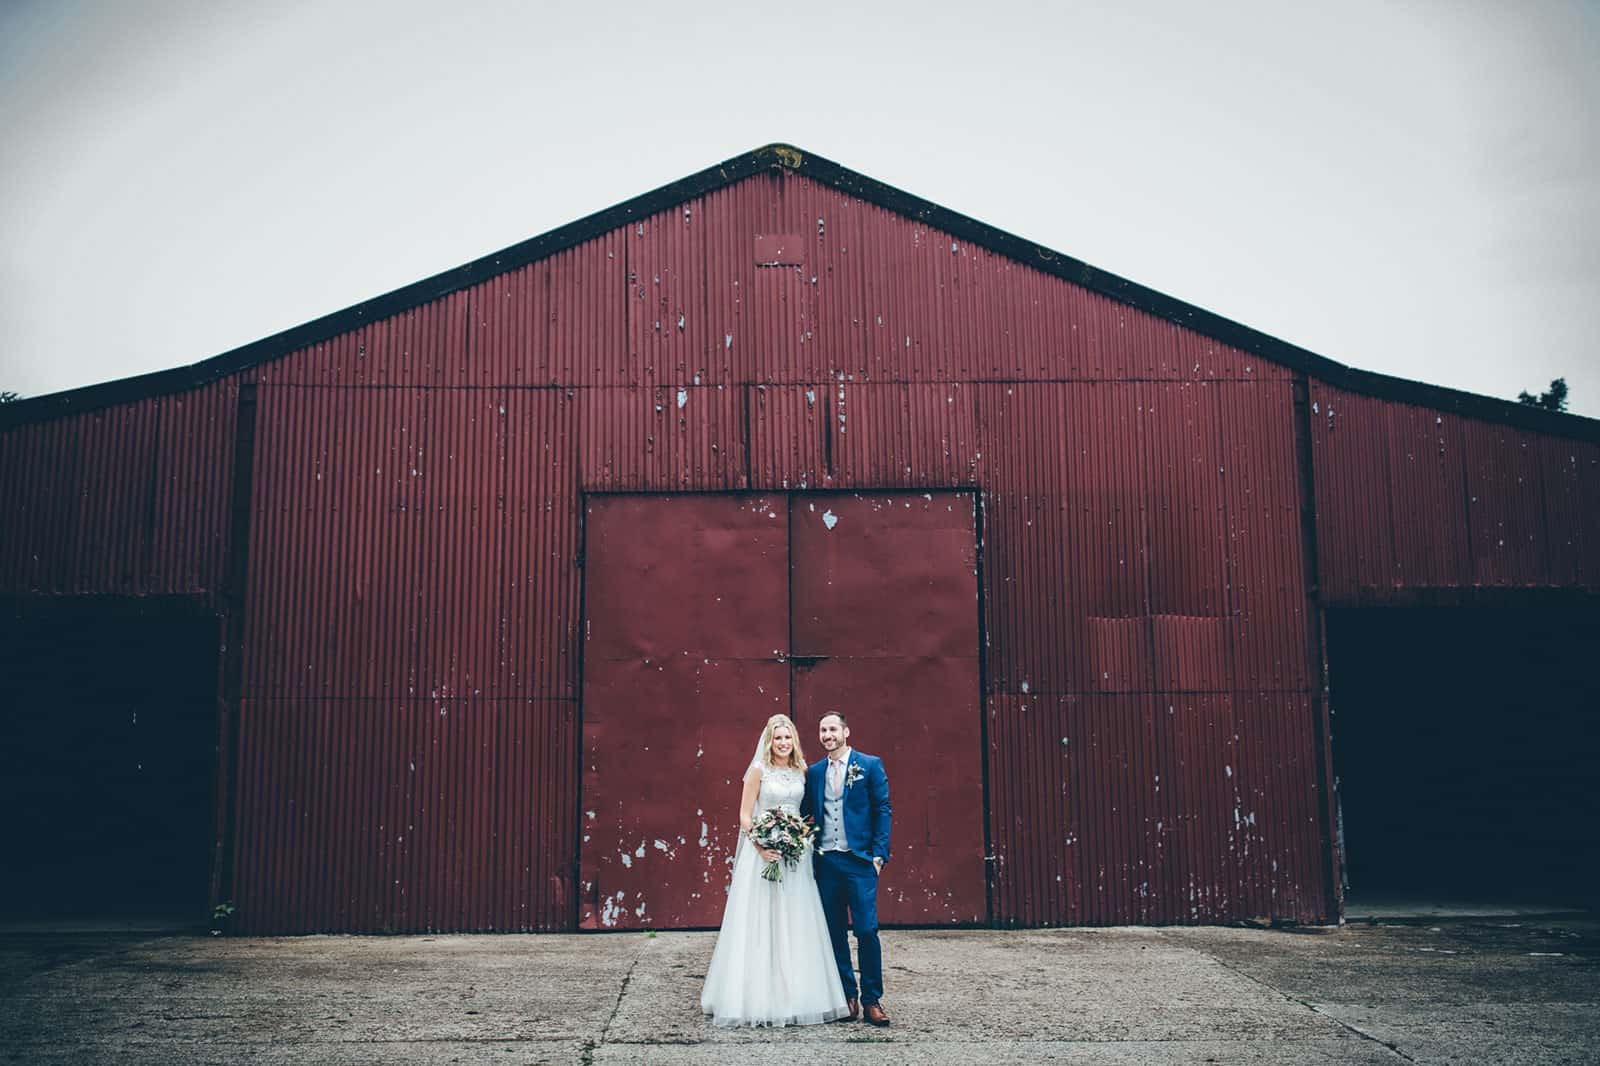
(410, 682)
(129, 500)
(1413, 499)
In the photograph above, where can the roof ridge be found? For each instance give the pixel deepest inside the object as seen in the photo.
(783, 156)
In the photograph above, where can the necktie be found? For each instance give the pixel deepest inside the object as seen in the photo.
(836, 775)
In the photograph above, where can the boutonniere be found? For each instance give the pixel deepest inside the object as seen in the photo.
(851, 776)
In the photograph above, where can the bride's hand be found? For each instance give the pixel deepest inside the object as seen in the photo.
(766, 856)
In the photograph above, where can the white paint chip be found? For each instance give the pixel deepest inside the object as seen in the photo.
(830, 519)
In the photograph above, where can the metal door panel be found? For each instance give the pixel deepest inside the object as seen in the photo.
(885, 574)
(919, 716)
(686, 574)
(886, 630)
(666, 744)
(686, 625)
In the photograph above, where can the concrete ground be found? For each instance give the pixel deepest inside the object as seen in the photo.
(1500, 989)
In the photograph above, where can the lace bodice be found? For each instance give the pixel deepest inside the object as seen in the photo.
(780, 788)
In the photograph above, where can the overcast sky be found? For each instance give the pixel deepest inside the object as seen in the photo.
(1404, 187)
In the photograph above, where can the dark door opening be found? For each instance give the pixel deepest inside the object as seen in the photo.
(1465, 747)
(108, 733)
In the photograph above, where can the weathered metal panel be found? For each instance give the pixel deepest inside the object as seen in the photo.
(424, 345)
(897, 300)
(405, 815)
(924, 718)
(129, 500)
(1410, 498)
(688, 638)
(884, 575)
(1350, 457)
(194, 473)
(675, 437)
(557, 321)
(541, 543)
(1138, 808)
(1505, 505)
(761, 311)
(1266, 581)
(669, 334)
(513, 325)
(1426, 481)
(859, 293)
(913, 436)
(402, 549)
(1571, 471)
(789, 438)
(1067, 538)
(885, 628)
(1181, 484)
(685, 656)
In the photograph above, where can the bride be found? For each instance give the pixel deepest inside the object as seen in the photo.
(773, 963)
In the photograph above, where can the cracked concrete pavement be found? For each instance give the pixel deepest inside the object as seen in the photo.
(1517, 989)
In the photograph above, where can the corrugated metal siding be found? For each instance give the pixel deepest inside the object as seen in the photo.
(413, 553)
(686, 437)
(1571, 471)
(193, 491)
(1266, 590)
(415, 538)
(1151, 732)
(405, 815)
(130, 500)
(1410, 498)
(1144, 808)
(426, 345)
(1505, 506)
(413, 543)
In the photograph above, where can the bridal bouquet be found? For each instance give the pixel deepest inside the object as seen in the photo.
(786, 833)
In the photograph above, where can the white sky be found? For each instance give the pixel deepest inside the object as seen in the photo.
(1412, 188)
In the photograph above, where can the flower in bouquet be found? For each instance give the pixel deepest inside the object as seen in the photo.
(786, 833)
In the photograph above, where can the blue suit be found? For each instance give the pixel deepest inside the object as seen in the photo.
(846, 879)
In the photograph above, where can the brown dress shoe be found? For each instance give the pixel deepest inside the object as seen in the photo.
(875, 1015)
(855, 1010)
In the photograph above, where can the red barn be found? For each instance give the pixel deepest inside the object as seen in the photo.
(461, 609)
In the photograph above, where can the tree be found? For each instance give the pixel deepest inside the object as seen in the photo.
(1552, 399)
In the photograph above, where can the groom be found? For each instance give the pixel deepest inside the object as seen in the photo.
(847, 797)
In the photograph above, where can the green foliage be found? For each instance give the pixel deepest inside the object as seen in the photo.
(1552, 399)
(10, 397)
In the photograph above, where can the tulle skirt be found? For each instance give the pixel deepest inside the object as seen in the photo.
(773, 963)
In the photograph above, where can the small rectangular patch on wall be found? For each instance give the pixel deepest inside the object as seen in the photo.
(780, 249)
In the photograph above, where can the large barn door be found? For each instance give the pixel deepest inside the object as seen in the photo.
(686, 630)
(886, 630)
(687, 647)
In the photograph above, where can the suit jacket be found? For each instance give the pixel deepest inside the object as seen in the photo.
(866, 804)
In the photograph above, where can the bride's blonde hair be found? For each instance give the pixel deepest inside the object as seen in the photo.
(796, 759)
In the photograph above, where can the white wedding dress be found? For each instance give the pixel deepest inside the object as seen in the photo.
(773, 963)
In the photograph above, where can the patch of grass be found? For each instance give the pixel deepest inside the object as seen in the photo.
(869, 1038)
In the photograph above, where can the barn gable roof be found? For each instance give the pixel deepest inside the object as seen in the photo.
(832, 175)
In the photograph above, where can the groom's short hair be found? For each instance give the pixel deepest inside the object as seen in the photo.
(836, 714)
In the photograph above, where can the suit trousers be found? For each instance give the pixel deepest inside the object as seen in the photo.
(848, 881)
